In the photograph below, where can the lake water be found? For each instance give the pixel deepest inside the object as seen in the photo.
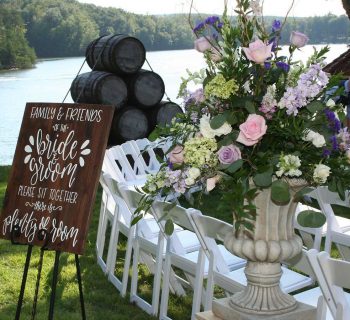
(51, 79)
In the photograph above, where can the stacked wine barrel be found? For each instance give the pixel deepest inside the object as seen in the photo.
(117, 79)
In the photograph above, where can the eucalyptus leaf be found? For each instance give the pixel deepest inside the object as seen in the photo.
(154, 135)
(301, 193)
(169, 227)
(280, 192)
(136, 220)
(235, 166)
(250, 106)
(315, 106)
(263, 179)
(311, 219)
(218, 121)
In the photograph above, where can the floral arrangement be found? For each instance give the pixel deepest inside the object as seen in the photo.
(257, 119)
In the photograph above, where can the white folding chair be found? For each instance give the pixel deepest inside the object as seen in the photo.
(313, 236)
(145, 148)
(134, 157)
(333, 275)
(186, 242)
(107, 209)
(210, 229)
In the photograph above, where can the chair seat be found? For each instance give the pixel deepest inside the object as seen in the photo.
(311, 296)
(344, 223)
(290, 280)
(233, 262)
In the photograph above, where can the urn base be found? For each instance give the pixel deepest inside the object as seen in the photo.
(223, 311)
(263, 294)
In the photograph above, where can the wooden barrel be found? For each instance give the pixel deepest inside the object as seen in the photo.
(118, 53)
(145, 88)
(129, 123)
(99, 87)
(163, 113)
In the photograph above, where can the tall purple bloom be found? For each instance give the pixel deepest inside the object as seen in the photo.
(212, 20)
(333, 122)
(276, 25)
(334, 142)
(282, 65)
(326, 153)
(198, 27)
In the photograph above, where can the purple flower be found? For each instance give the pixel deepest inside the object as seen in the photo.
(267, 65)
(326, 153)
(274, 43)
(212, 20)
(220, 25)
(276, 25)
(282, 65)
(333, 122)
(334, 142)
(229, 154)
(198, 27)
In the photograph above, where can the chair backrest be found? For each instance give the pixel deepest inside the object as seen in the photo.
(209, 230)
(326, 199)
(337, 276)
(148, 157)
(342, 241)
(134, 157)
(119, 163)
(180, 217)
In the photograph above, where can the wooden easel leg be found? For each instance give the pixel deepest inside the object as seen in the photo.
(54, 284)
(40, 266)
(24, 281)
(82, 305)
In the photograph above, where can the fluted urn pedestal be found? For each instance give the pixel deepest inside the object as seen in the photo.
(272, 241)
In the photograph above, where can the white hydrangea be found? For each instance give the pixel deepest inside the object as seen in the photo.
(288, 166)
(321, 173)
(330, 103)
(208, 132)
(193, 173)
(317, 139)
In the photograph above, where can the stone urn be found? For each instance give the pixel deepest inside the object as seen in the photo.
(272, 241)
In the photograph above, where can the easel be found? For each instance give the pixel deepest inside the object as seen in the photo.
(44, 235)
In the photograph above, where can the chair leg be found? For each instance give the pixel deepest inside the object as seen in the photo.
(157, 276)
(127, 262)
(198, 285)
(135, 265)
(210, 284)
(112, 247)
(165, 288)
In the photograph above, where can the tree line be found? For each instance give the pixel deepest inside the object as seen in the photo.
(52, 28)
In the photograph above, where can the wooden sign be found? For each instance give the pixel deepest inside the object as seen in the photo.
(55, 174)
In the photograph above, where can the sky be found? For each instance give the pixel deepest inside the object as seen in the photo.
(301, 8)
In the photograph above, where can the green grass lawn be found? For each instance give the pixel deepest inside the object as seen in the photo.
(102, 300)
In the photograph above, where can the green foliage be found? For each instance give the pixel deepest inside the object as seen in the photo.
(14, 49)
(311, 219)
(64, 28)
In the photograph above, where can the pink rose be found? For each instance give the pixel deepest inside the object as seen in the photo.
(211, 182)
(252, 130)
(298, 39)
(176, 155)
(202, 44)
(258, 51)
(229, 154)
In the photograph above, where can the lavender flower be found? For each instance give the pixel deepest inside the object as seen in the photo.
(220, 25)
(308, 86)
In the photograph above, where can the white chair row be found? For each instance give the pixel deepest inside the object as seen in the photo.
(148, 240)
(212, 261)
(312, 237)
(332, 275)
